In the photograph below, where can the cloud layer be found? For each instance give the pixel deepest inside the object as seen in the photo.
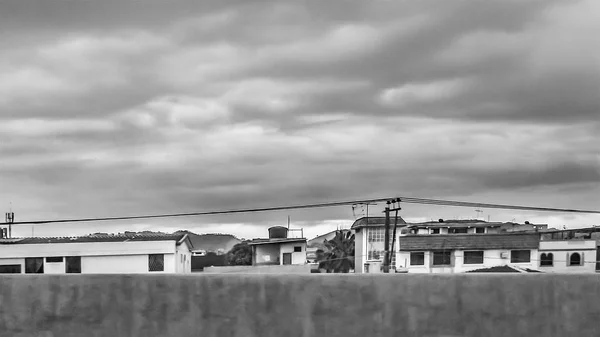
(110, 108)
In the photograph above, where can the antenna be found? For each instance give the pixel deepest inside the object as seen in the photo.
(10, 219)
(478, 211)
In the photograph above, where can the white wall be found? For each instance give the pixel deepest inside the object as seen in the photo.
(562, 249)
(491, 258)
(87, 249)
(123, 264)
(183, 259)
(52, 267)
(297, 257)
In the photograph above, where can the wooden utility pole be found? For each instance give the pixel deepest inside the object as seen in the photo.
(396, 209)
(386, 255)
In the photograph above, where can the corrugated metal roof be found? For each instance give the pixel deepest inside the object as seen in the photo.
(96, 238)
(375, 221)
(469, 241)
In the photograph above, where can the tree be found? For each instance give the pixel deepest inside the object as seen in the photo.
(240, 255)
(338, 256)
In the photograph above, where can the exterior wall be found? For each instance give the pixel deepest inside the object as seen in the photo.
(101, 257)
(360, 253)
(266, 254)
(300, 305)
(123, 264)
(183, 258)
(561, 251)
(87, 249)
(287, 269)
(491, 258)
(297, 257)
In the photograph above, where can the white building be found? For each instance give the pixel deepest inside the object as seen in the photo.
(568, 256)
(458, 253)
(278, 249)
(97, 254)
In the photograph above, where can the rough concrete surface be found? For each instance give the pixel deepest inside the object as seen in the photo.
(300, 305)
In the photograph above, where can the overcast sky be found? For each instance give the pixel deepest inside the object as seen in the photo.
(112, 108)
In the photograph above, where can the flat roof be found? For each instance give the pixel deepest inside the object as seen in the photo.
(273, 241)
(179, 238)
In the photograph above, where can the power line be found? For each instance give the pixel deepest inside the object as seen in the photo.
(410, 200)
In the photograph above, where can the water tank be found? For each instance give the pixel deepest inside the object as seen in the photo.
(278, 232)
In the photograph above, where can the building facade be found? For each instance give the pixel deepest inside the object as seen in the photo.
(458, 253)
(104, 254)
(278, 249)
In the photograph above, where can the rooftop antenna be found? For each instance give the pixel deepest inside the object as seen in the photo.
(478, 211)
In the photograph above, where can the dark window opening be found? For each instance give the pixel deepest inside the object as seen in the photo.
(520, 256)
(442, 258)
(480, 230)
(417, 259)
(54, 259)
(156, 262)
(475, 257)
(73, 265)
(458, 230)
(575, 260)
(297, 249)
(435, 231)
(10, 269)
(34, 265)
(546, 259)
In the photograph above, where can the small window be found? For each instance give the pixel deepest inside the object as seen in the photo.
(520, 256)
(575, 259)
(417, 258)
(54, 259)
(10, 269)
(73, 265)
(156, 262)
(474, 257)
(435, 231)
(480, 230)
(34, 265)
(458, 230)
(546, 260)
(442, 258)
(297, 249)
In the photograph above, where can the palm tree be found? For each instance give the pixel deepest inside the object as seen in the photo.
(339, 254)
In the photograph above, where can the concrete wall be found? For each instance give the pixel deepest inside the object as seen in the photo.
(561, 251)
(287, 269)
(297, 257)
(300, 305)
(360, 252)
(268, 253)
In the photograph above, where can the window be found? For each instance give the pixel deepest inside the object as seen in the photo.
(53, 259)
(10, 269)
(375, 234)
(546, 260)
(458, 230)
(480, 230)
(474, 257)
(575, 259)
(34, 265)
(520, 256)
(417, 258)
(297, 249)
(156, 262)
(73, 265)
(435, 231)
(442, 258)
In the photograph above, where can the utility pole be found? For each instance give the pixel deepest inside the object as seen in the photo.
(396, 209)
(386, 255)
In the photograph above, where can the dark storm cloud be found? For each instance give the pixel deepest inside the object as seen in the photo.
(111, 108)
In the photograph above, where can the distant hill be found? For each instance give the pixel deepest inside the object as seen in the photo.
(212, 242)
